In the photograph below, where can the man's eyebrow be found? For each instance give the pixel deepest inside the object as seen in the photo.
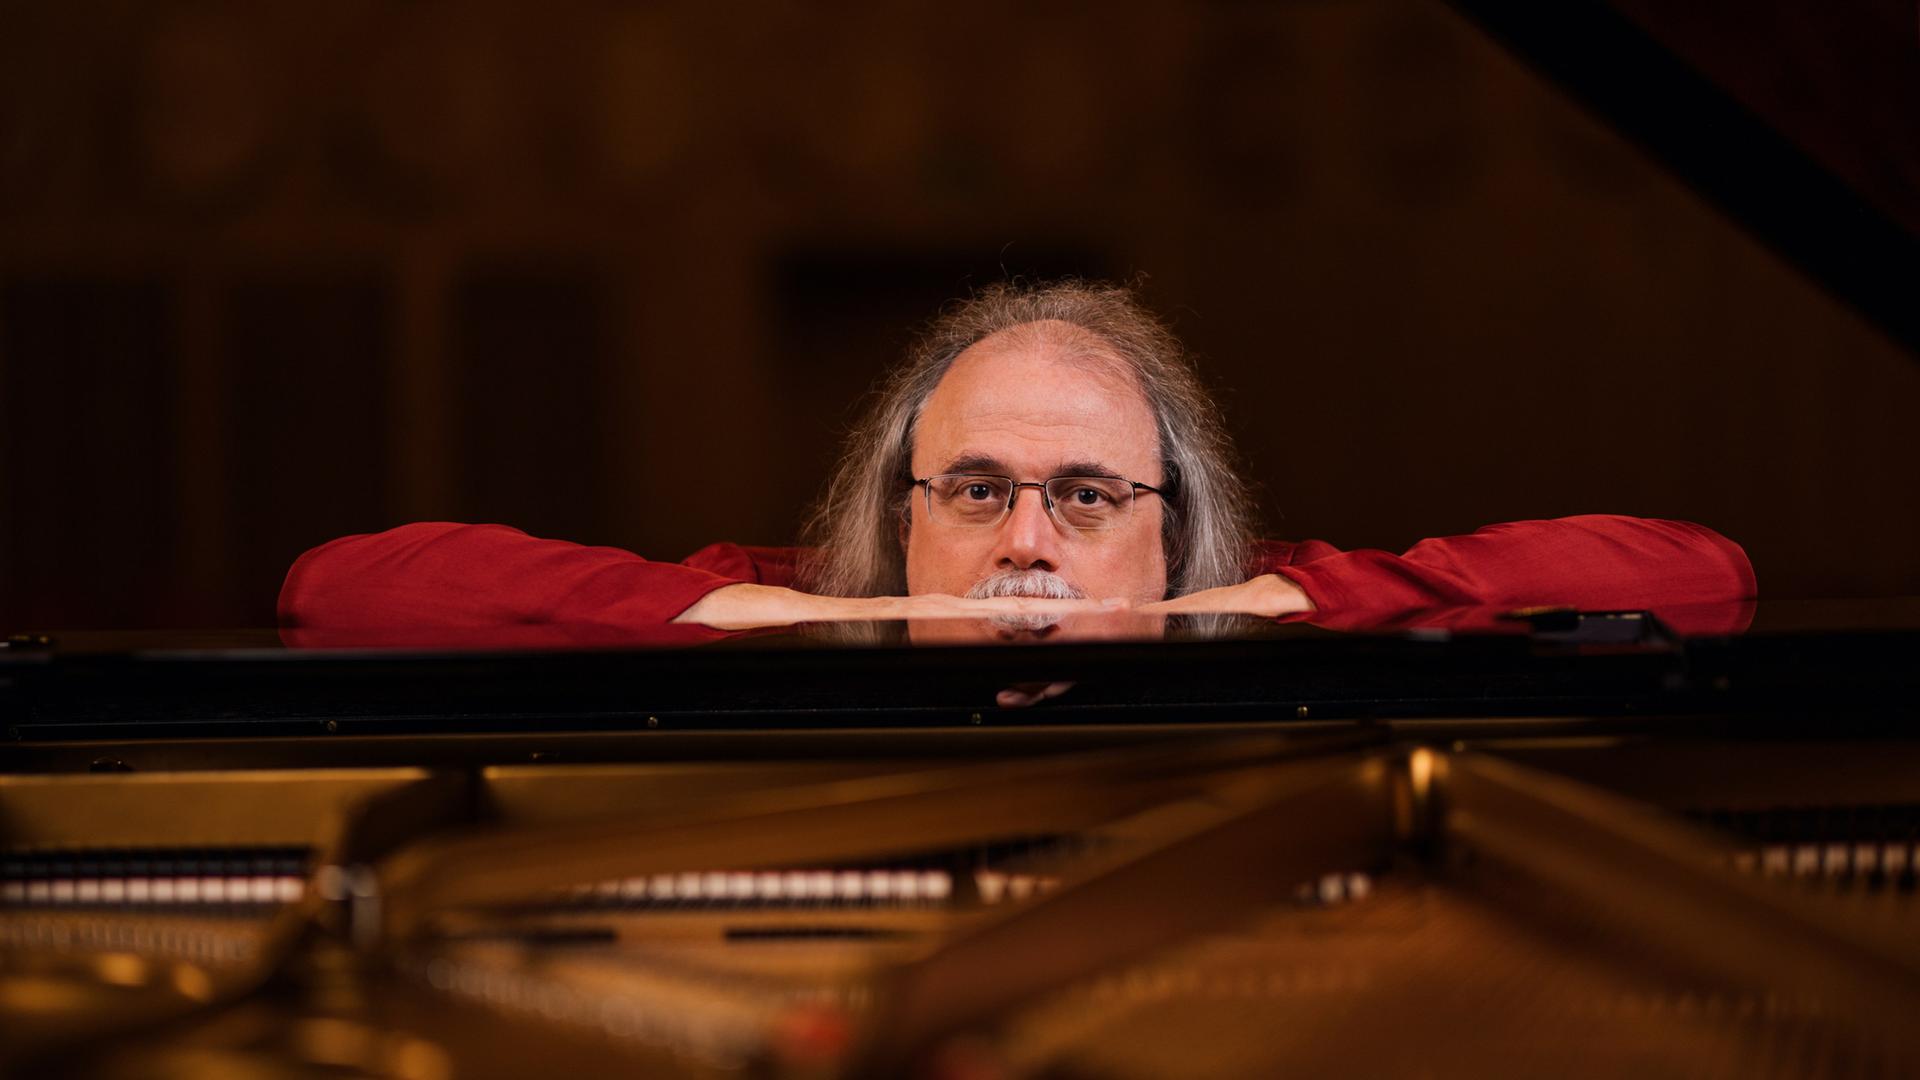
(977, 463)
(1085, 468)
(987, 463)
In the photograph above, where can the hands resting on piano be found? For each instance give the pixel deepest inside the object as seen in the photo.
(937, 617)
(749, 606)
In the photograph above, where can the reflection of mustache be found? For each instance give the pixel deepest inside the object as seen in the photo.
(1041, 584)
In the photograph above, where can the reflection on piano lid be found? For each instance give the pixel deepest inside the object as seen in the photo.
(79, 694)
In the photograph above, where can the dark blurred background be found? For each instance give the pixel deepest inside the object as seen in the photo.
(617, 273)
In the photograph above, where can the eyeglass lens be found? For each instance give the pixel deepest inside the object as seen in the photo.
(1081, 502)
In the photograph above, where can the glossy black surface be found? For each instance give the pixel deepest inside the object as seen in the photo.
(1841, 666)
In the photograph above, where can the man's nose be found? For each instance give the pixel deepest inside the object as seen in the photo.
(1028, 538)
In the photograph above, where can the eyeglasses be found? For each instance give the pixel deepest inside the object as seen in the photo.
(977, 500)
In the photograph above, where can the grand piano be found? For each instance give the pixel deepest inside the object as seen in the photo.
(1513, 842)
(1566, 841)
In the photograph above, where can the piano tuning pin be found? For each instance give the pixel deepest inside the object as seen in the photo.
(820, 884)
(991, 884)
(1332, 889)
(768, 886)
(1834, 859)
(1866, 858)
(849, 886)
(1806, 860)
(1775, 860)
(740, 887)
(936, 885)
(1893, 858)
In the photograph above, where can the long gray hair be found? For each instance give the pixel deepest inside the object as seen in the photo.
(853, 537)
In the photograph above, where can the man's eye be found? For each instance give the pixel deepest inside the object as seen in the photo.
(1088, 497)
(980, 492)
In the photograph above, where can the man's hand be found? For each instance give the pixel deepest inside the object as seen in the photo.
(1267, 595)
(745, 607)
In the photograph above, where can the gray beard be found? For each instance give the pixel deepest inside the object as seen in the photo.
(1041, 584)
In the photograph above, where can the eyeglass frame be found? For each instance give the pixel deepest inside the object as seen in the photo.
(925, 484)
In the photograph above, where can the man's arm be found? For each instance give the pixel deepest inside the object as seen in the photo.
(431, 576)
(1594, 562)
(440, 574)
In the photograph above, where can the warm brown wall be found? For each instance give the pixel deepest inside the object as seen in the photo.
(614, 272)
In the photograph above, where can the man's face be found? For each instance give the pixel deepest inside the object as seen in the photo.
(1031, 403)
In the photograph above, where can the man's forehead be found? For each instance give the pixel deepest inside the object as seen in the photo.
(1056, 354)
(1037, 398)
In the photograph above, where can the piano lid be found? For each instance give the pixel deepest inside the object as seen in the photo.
(1673, 622)
(1800, 121)
(1846, 661)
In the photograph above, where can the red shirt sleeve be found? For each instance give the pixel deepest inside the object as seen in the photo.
(1596, 562)
(413, 581)
(450, 576)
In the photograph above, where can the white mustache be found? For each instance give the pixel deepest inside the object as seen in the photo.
(1039, 584)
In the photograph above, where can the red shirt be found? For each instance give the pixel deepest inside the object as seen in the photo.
(440, 576)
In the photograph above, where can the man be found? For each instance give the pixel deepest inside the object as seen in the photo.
(1043, 454)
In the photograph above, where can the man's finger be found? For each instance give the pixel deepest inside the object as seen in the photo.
(1025, 694)
(1267, 595)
